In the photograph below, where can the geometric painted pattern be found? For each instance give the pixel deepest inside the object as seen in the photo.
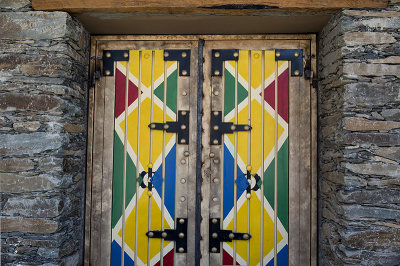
(274, 109)
(134, 110)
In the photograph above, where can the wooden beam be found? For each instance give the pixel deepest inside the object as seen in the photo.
(202, 6)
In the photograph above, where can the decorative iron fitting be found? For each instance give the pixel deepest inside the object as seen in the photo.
(221, 55)
(218, 127)
(109, 57)
(218, 235)
(179, 235)
(182, 56)
(181, 127)
(295, 56)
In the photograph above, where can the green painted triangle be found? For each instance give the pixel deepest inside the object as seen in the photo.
(283, 184)
(230, 92)
(172, 84)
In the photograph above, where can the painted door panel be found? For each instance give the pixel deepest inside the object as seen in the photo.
(245, 94)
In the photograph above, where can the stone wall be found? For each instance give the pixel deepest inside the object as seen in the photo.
(43, 85)
(359, 138)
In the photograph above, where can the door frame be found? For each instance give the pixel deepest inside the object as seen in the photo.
(307, 228)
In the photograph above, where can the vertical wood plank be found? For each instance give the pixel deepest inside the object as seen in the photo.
(205, 160)
(294, 174)
(89, 161)
(314, 158)
(109, 96)
(182, 166)
(96, 233)
(191, 160)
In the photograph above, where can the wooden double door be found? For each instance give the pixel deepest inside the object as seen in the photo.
(201, 151)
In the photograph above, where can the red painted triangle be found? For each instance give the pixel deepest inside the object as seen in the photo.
(120, 82)
(168, 259)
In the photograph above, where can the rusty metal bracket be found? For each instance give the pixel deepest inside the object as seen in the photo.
(221, 55)
(110, 56)
(218, 235)
(182, 56)
(181, 127)
(179, 235)
(218, 128)
(295, 56)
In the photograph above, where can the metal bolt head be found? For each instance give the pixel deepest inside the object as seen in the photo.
(183, 113)
(296, 54)
(183, 198)
(216, 180)
(217, 54)
(166, 54)
(183, 161)
(151, 234)
(183, 181)
(216, 72)
(212, 155)
(246, 236)
(214, 221)
(181, 235)
(214, 250)
(233, 127)
(214, 235)
(231, 236)
(181, 221)
(184, 72)
(183, 141)
(183, 127)
(246, 127)
(215, 141)
(126, 55)
(107, 72)
(235, 54)
(186, 153)
(216, 93)
(108, 54)
(184, 93)
(150, 165)
(216, 161)
(166, 126)
(152, 125)
(296, 72)
(181, 250)
(184, 54)
(216, 127)
(164, 234)
(277, 54)
(215, 199)
(215, 113)
(248, 195)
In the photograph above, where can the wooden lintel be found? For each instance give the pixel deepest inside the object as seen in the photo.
(202, 6)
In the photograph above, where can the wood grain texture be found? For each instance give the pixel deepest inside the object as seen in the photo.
(205, 6)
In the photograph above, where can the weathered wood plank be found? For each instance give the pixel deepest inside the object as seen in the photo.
(204, 6)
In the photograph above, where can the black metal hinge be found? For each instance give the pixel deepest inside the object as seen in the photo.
(295, 56)
(218, 235)
(109, 57)
(181, 127)
(218, 127)
(221, 55)
(179, 235)
(182, 56)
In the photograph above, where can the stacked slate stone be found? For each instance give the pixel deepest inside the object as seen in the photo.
(43, 87)
(359, 137)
